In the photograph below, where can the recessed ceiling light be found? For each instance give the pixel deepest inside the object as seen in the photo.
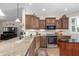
(43, 9)
(30, 3)
(66, 9)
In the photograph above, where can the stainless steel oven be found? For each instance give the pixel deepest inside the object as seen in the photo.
(52, 39)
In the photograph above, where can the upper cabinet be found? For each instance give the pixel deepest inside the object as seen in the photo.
(42, 24)
(62, 23)
(34, 22)
(58, 24)
(31, 22)
(51, 21)
(28, 21)
(65, 22)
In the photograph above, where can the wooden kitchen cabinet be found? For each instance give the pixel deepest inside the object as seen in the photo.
(43, 42)
(58, 24)
(31, 22)
(62, 23)
(62, 37)
(28, 21)
(68, 48)
(42, 24)
(65, 22)
(51, 21)
(35, 23)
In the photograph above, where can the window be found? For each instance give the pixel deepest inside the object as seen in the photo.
(75, 24)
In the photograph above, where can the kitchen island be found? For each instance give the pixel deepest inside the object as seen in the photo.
(15, 46)
(69, 47)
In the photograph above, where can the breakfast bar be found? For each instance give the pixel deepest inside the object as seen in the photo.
(69, 47)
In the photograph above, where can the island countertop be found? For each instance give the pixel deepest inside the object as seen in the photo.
(75, 40)
(15, 46)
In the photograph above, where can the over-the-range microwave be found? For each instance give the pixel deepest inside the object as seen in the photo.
(51, 27)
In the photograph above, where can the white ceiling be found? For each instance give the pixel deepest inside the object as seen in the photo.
(52, 9)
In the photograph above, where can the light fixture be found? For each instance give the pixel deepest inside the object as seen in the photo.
(17, 19)
(66, 9)
(43, 9)
(1, 13)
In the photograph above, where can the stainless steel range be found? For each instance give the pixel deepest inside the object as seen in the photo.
(52, 40)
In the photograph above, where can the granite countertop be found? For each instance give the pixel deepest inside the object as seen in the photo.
(15, 47)
(75, 40)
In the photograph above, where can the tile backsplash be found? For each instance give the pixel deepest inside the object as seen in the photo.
(44, 32)
(33, 32)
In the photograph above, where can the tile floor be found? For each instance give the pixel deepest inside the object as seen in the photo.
(48, 52)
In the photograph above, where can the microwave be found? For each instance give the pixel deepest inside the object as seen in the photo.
(51, 27)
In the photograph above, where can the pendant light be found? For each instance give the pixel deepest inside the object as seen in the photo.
(1, 13)
(17, 19)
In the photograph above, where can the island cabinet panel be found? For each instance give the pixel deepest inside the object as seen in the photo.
(31, 50)
(37, 44)
(50, 20)
(43, 42)
(42, 24)
(31, 22)
(69, 48)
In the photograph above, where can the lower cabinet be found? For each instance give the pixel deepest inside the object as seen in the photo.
(38, 42)
(33, 49)
(43, 42)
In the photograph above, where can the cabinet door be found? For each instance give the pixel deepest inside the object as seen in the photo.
(43, 42)
(65, 23)
(58, 24)
(34, 22)
(37, 23)
(42, 24)
(27, 21)
(51, 21)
